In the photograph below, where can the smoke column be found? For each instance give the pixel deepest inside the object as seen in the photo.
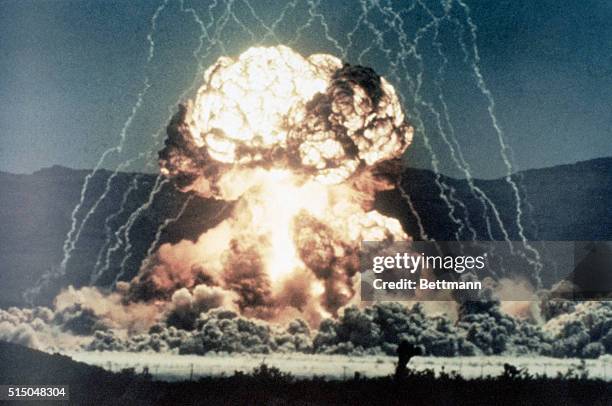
(301, 145)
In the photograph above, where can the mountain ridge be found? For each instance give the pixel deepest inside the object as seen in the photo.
(567, 202)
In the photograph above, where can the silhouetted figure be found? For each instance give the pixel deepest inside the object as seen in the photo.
(146, 375)
(405, 351)
(510, 371)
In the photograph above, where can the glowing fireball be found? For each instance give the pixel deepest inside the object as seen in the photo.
(302, 145)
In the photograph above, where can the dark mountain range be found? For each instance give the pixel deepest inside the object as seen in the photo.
(87, 384)
(568, 202)
(561, 203)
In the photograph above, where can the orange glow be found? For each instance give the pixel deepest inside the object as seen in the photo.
(296, 142)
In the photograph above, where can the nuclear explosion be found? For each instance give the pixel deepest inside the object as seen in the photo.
(301, 145)
(298, 147)
(305, 202)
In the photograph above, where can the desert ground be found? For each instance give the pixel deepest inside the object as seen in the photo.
(173, 367)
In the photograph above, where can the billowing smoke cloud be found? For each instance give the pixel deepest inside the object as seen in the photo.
(272, 108)
(584, 332)
(217, 330)
(301, 145)
(198, 322)
(482, 329)
(38, 328)
(187, 307)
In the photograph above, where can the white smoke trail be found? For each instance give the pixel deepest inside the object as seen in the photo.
(75, 227)
(405, 44)
(212, 40)
(411, 48)
(449, 138)
(71, 237)
(121, 236)
(504, 148)
(167, 222)
(136, 181)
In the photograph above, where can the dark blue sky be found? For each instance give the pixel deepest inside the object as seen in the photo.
(70, 72)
